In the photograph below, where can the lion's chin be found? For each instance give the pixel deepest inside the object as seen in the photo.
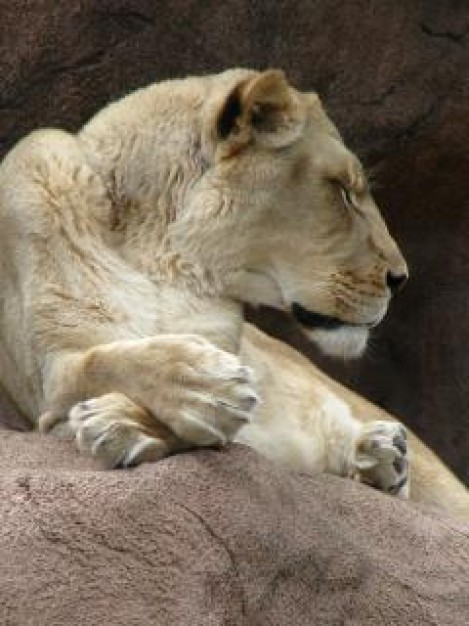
(346, 342)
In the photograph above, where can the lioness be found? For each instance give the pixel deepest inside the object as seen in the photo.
(128, 250)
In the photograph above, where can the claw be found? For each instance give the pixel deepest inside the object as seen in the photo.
(399, 464)
(400, 444)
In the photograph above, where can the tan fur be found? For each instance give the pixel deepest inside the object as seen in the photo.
(128, 249)
(297, 396)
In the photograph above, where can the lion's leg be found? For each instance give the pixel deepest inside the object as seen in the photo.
(55, 269)
(306, 424)
(200, 393)
(374, 453)
(114, 429)
(77, 311)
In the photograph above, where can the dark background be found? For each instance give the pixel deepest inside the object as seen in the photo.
(394, 77)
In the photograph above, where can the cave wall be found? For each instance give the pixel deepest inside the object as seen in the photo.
(393, 76)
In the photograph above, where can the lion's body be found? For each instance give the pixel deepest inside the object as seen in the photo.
(126, 252)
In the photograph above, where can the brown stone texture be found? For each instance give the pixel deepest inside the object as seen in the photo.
(214, 538)
(394, 76)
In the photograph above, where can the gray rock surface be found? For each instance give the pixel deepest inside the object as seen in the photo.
(214, 538)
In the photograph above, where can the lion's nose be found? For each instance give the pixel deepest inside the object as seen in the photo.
(396, 282)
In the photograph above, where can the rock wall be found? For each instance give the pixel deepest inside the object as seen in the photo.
(394, 77)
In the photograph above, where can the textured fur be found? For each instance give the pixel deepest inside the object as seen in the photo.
(128, 249)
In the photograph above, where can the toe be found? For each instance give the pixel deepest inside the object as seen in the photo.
(400, 443)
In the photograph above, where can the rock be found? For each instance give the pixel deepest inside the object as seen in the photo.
(216, 537)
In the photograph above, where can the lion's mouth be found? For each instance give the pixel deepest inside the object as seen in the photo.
(313, 320)
(334, 336)
(310, 319)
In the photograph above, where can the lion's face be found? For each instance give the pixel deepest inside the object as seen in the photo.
(288, 219)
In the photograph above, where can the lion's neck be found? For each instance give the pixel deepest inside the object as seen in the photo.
(193, 295)
(149, 164)
(147, 153)
(219, 320)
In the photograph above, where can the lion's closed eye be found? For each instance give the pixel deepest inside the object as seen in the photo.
(348, 197)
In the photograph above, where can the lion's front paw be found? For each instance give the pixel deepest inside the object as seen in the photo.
(203, 395)
(106, 428)
(381, 457)
(212, 399)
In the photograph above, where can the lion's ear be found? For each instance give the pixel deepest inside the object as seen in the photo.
(262, 107)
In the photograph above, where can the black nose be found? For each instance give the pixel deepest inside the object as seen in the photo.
(395, 282)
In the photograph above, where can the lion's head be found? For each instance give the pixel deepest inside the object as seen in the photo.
(262, 198)
(282, 214)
